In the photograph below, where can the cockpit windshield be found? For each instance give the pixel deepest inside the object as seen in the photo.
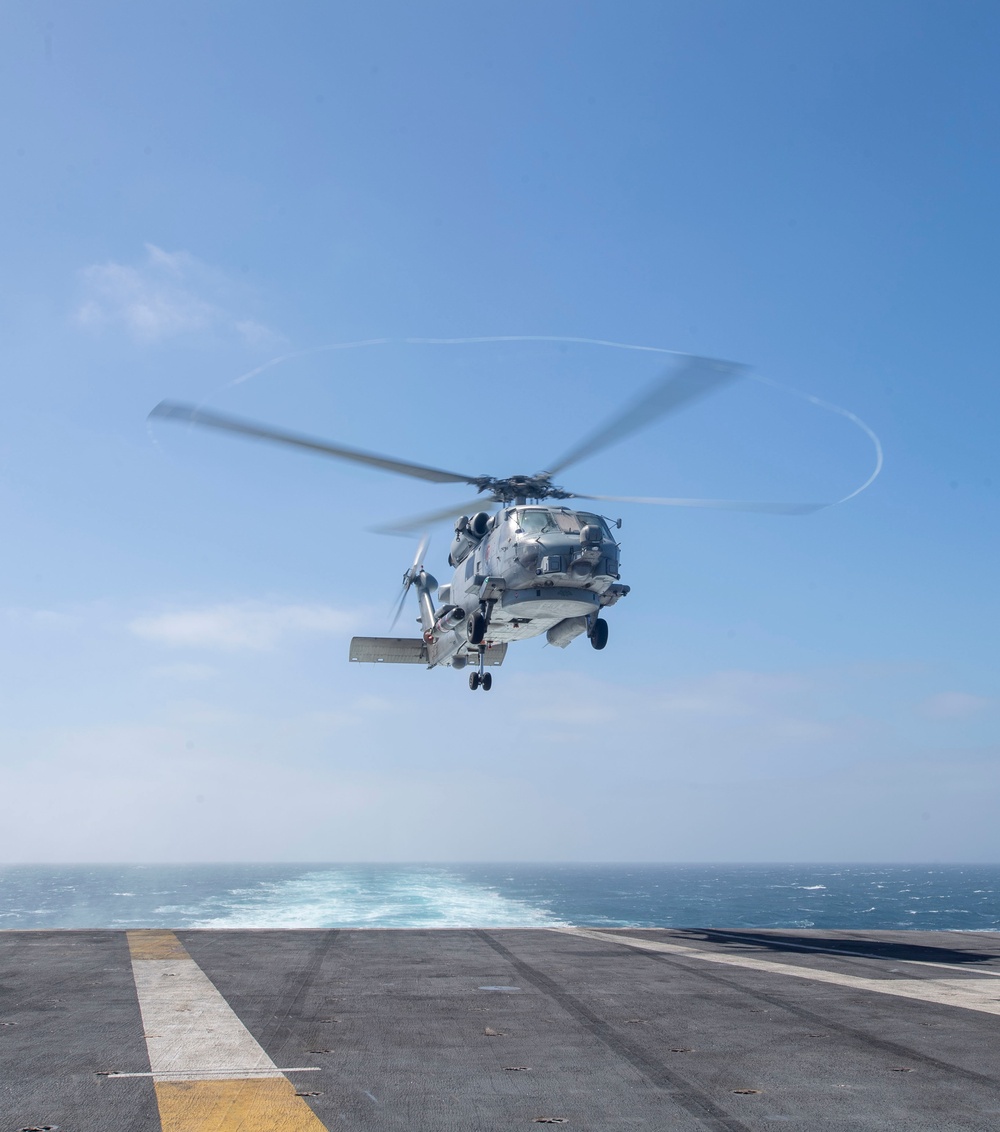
(536, 521)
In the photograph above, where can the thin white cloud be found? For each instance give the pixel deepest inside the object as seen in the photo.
(185, 673)
(167, 295)
(256, 333)
(720, 727)
(954, 705)
(733, 694)
(241, 627)
(45, 620)
(727, 698)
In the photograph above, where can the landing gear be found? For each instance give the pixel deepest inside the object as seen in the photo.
(599, 634)
(481, 678)
(475, 628)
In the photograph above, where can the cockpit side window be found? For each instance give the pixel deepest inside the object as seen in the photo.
(585, 519)
(567, 523)
(571, 523)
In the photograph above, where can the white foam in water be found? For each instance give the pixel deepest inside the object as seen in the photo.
(880, 897)
(363, 898)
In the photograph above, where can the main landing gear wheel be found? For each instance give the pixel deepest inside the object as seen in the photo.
(474, 681)
(486, 681)
(475, 628)
(599, 634)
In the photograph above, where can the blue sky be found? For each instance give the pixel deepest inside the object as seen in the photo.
(192, 191)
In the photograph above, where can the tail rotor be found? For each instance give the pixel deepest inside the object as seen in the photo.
(411, 576)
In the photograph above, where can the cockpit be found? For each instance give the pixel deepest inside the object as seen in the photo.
(542, 520)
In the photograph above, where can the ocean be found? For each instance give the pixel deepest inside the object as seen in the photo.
(885, 897)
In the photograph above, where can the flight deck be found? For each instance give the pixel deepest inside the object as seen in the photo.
(604, 1030)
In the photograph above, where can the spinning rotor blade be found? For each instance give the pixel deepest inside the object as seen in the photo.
(684, 384)
(715, 504)
(399, 607)
(170, 410)
(410, 575)
(408, 526)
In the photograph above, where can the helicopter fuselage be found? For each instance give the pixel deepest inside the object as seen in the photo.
(525, 570)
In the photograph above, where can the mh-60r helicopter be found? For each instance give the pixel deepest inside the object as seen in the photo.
(531, 567)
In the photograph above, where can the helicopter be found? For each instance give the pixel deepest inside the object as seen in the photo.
(537, 564)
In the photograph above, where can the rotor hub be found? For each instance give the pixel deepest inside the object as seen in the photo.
(511, 489)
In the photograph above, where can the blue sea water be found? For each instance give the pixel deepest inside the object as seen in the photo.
(938, 897)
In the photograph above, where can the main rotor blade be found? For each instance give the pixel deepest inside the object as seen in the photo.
(170, 410)
(408, 526)
(764, 506)
(684, 384)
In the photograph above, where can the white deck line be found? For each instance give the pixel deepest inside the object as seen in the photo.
(968, 993)
(743, 937)
(191, 1031)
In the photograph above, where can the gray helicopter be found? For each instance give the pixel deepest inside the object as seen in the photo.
(536, 565)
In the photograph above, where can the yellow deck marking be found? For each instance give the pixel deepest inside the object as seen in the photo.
(209, 1072)
(970, 993)
(156, 945)
(234, 1106)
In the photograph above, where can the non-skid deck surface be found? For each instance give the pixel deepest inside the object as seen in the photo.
(606, 1031)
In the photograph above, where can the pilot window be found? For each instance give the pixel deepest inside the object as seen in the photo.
(534, 522)
(585, 519)
(570, 523)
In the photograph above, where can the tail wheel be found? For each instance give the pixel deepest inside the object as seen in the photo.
(486, 681)
(475, 628)
(599, 634)
(473, 681)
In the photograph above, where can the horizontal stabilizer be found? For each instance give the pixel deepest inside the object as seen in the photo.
(389, 650)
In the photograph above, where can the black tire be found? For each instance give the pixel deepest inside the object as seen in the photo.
(486, 681)
(599, 635)
(473, 681)
(475, 628)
